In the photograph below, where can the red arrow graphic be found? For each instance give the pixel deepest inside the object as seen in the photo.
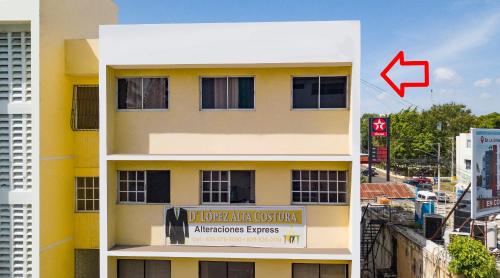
(400, 90)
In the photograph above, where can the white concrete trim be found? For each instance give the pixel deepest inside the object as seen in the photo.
(16, 108)
(160, 157)
(19, 197)
(303, 64)
(230, 255)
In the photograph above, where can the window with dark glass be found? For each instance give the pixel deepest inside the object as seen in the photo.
(227, 269)
(319, 270)
(151, 186)
(143, 269)
(227, 93)
(87, 194)
(233, 187)
(142, 93)
(85, 112)
(319, 186)
(319, 92)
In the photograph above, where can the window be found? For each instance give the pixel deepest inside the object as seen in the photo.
(87, 194)
(227, 93)
(86, 263)
(151, 187)
(143, 269)
(85, 112)
(468, 144)
(235, 187)
(142, 93)
(227, 270)
(467, 164)
(319, 270)
(319, 187)
(319, 92)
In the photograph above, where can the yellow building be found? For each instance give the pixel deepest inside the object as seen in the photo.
(176, 150)
(229, 150)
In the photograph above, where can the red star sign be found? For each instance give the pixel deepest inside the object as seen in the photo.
(379, 127)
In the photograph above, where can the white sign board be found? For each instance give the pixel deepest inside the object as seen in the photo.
(485, 192)
(253, 226)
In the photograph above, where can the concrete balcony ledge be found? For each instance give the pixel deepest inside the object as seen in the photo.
(226, 157)
(166, 251)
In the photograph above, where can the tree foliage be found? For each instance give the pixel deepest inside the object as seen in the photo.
(416, 134)
(471, 258)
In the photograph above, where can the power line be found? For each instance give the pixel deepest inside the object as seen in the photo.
(400, 100)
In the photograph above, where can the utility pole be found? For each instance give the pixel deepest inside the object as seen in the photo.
(439, 167)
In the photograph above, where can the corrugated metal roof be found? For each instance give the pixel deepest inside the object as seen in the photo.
(389, 190)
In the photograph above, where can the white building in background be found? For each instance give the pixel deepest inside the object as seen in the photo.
(463, 162)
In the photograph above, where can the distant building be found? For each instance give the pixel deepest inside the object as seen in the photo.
(463, 161)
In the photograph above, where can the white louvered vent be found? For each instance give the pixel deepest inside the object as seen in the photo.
(15, 66)
(16, 241)
(15, 152)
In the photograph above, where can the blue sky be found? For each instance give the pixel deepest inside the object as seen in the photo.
(460, 39)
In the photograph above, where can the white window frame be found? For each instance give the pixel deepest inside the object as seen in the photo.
(145, 202)
(227, 93)
(228, 189)
(142, 94)
(95, 180)
(346, 192)
(347, 90)
(75, 106)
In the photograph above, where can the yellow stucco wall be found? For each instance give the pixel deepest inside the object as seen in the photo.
(184, 129)
(189, 267)
(60, 229)
(327, 225)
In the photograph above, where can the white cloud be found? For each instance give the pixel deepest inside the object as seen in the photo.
(498, 81)
(485, 96)
(481, 83)
(477, 34)
(443, 74)
(381, 96)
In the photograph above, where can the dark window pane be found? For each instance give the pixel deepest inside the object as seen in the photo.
(215, 175)
(332, 186)
(296, 196)
(158, 187)
(96, 182)
(314, 186)
(123, 196)
(80, 182)
(81, 205)
(333, 92)
(89, 193)
(155, 93)
(296, 175)
(140, 186)
(157, 269)
(96, 193)
(132, 186)
(305, 92)
(332, 175)
(332, 271)
(332, 198)
(214, 93)
(132, 175)
(81, 193)
(224, 186)
(342, 186)
(215, 186)
(305, 270)
(130, 269)
(123, 186)
(86, 114)
(314, 197)
(342, 198)
(305, 175)
(241, 92)
(342, 176)
(206, 197)
(96, 205)
(206, 186)
(323, 197)
(305, 186)
(215, 197)
(323, 175)
(224, 175)
(123, 175)
(140, 175)
(314, 175)
(323, 186)
(132, 197)
(305, 196)
(240, 270)
(206, 175)
(242, 187)
(129, 93)
(296, 186)
(213, 269)
(140, 197)
(89, 205)
(223, 197)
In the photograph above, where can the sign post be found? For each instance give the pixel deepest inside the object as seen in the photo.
(379, 127)
(485, 178)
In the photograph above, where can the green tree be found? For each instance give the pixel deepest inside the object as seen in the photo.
(470, 258)
(491, 120)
